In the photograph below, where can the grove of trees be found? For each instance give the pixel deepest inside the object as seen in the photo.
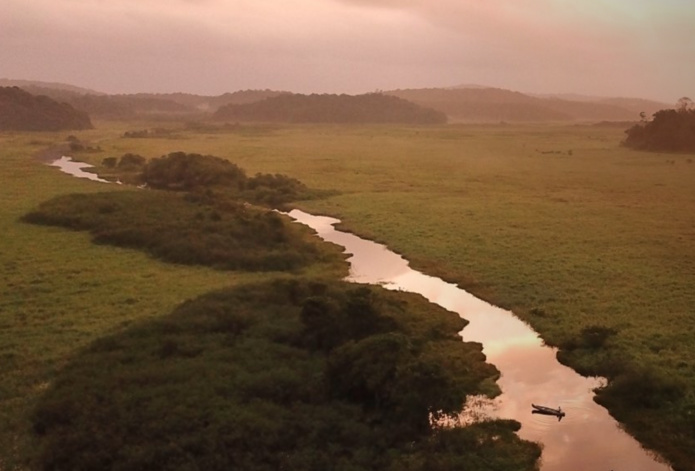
(670, 130)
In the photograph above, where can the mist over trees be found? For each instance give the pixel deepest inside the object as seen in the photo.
(486, 104)
(22, 111)
(297, 108)
(670, 130)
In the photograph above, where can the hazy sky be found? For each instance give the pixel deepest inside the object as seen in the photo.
(643, 48)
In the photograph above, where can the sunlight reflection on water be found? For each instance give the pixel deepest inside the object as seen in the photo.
(586, 439)
(76, 169)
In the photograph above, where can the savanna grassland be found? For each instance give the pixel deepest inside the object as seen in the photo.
(592, 243)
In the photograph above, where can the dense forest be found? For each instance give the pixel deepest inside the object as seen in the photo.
(325, 108)
(670, 130)
(22, 111)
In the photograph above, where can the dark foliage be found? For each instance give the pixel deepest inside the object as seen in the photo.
(225, 382)
(22, 111)
(668, 131)
(296, 108)
(484, 446)
(187, 172)
(180, 171)
(182, 229)
(127, 162)
(592, 337)
(641, 388)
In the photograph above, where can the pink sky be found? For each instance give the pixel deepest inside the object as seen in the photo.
(642, 48)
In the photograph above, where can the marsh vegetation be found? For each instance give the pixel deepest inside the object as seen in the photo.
(288, 374)
(594, 248)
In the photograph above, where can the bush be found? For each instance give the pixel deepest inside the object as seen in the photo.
(231, 236)
(218, 179)
(669, 130)
(186, 172)
(213, 386)
(641, 387)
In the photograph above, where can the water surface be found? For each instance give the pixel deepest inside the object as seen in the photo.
(586, 439)
(76, 169)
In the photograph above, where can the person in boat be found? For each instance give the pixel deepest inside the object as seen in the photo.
(548, 411)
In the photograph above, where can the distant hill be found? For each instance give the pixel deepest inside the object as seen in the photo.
(22, 111)
(479, 104)
(461, 103)
(213, 103)
(138, 105)
(36, 87)
(326, 108)
(482, 104)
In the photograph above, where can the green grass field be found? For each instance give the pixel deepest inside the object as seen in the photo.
(60, 292)
(558, 223)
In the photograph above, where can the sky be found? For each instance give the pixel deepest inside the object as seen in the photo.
(628, 48)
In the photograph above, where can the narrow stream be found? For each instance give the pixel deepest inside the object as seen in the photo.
(586, 439)
(76, 169)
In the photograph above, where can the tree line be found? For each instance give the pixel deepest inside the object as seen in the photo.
(327, 108)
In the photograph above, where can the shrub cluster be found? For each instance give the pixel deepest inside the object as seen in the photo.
(182, 229)
(669, 131)
(234, 380)
(127, 162)
(179, 171)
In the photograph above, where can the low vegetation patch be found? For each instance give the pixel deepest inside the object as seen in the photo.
(183, 228)
(236, 380)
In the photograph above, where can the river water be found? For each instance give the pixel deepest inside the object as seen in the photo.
(586, 439)
(76, 169)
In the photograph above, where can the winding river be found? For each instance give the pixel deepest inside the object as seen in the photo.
(586, 439)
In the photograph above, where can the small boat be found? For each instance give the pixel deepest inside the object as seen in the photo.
(548, 411)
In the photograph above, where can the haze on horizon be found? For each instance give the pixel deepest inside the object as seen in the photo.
(640, 48)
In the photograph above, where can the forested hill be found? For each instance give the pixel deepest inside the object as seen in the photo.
(297, 108)
(139, 105)
(482, 104)
(22, 111)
